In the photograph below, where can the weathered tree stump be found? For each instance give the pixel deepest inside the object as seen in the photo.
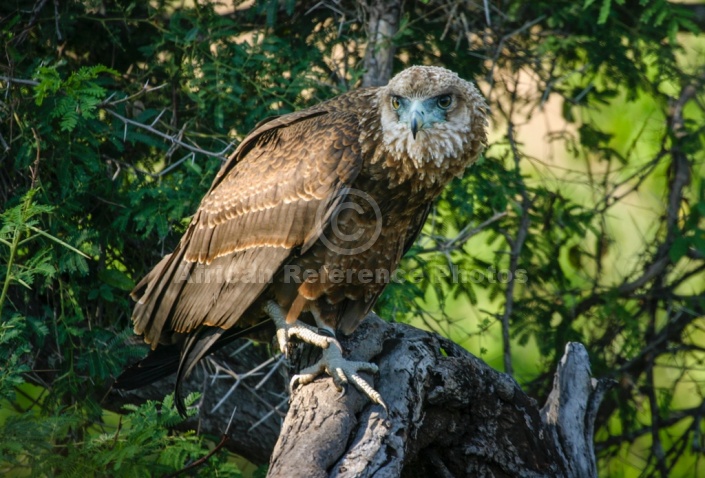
(450, 414)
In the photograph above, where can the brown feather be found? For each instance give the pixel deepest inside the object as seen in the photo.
(262, 206)
(278, 197)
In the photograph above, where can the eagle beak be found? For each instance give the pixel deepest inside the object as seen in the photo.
(416, 118)
(416, 121)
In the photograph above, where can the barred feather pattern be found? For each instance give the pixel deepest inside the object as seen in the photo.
(288, 186)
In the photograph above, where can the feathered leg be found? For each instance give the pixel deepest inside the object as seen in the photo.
(342, 371)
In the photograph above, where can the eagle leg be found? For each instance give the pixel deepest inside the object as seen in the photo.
(332, 362)
(306, 333)
(342, 372)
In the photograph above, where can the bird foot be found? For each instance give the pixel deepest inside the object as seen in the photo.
(342, 372)
(305, 333)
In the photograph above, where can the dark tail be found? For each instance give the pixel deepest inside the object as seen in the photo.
(181, 358)
(160, 363)
(197, 346)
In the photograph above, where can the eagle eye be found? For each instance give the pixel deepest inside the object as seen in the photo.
(444, 101)
(395, 102)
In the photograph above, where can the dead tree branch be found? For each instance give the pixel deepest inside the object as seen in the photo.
(448, 411)
(253, 407)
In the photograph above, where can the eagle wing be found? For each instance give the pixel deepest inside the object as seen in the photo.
(270, 201)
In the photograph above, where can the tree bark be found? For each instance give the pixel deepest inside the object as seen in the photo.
(382, 24)
(450, 414)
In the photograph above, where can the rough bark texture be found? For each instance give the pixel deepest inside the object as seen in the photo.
(571, 409)
(449, 414)
(382, 25)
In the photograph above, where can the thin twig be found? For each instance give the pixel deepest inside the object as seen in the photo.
(656, 446)
(220, 154)
(271, 412)
(144, 90)
(487, 13)
(19, 81)
(274, 368)
(59, 36)
(5, 146)
(500, 47)
(36, 10)
(465, 234)
(516, 246)
(223, 440)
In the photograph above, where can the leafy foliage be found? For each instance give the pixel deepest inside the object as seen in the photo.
(140, 445)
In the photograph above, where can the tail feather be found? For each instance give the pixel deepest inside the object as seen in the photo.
(196, 347)
(181, 358)
(160, 363)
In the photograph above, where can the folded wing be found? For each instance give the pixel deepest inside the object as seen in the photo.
(269, 201)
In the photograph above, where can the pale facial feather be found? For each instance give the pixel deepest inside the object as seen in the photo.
(444, 144)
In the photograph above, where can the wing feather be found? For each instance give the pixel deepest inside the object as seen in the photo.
(272, 196)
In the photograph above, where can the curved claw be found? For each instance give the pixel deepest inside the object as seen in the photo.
(339, 378)
(343, 392)
(303, 379)
(343, 372)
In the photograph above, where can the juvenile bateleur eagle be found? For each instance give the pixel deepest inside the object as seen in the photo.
(306, 202)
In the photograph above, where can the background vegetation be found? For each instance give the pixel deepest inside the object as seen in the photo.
(115, 115)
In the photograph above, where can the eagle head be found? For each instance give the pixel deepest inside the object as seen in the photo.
(432, 119)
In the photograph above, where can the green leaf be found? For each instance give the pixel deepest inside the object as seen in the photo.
(604, 12)
(117, 279)
(679, 248)
(191, 35)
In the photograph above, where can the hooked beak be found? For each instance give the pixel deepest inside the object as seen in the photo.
(416, 118)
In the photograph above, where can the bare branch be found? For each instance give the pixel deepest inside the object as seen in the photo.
(59, 36)
(462, 237)
(260, 409)
(19, 81)
(173, 139)
(36, 10)
(680, 178)
(516, 245)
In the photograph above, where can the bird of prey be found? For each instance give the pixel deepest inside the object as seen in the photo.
(305, 222)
